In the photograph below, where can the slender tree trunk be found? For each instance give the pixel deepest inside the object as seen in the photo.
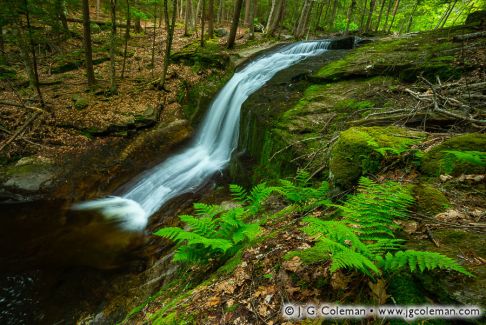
(275, 16)
(320, 8)
(350, 15)
(395, 9)
(363, 15)
(370, 15)
(326, 13)
(234, 25)
(203, 17)
(210, 18)
(410, 19)
(448, 14)
(169, 25)
(113, 46)
(34, 59)
(127, 37)
(87, 44)
(3, 56)
(247, 12)
(390, 3)
(220, 11)
(304, 19)
(379, 16)
(333, 13)
(253, 5)
(152, 62)
(187, 18)
(98, 3)
(137, 25)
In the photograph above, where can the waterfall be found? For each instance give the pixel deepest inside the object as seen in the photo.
(211, 148)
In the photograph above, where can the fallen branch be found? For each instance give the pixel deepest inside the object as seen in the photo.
(470, 36)
(20, 130)
(8, 103)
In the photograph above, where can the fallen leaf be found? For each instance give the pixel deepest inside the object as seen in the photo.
(339, 281)
(294, 265)
(378, 291)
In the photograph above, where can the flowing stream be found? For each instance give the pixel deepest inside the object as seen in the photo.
(211, 148)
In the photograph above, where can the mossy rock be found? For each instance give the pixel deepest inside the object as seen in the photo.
(440, 160)
(361, 150)
(430, 200)
(80, 102)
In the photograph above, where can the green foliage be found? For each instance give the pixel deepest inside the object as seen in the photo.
(363, 238)
(300, 193)
(471, 157)
(216, 233)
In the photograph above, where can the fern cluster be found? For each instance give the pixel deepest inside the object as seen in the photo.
(216, 233)
(470, 157)
(364, 238)
(302, 194)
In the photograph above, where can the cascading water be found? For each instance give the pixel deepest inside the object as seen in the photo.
(211, 149)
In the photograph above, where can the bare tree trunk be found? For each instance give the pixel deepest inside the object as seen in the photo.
(234, 25)
(253, 5)
(350, 15)
(220, 11)
(410, 19)
(169, 25)
(112, 47)
(98, 3)
(127, 37)
(390, 3)
(203, 14)
(379, 16)
(274, 16)
(304, 18)
(320, 8)
(448, 14)
(34, 59)
(370, 15)
(211, 18)
(363, 15)
(247, 12)
(187, 18)
(3, 56)
(152, 62)
(87, 44)
(395, 9)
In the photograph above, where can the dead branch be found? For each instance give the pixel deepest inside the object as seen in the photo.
(8, 103)
(20, 130)
(470, 36)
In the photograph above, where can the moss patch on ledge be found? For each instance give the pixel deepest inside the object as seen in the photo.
(424, 54)
(361, 150)
(440, 160)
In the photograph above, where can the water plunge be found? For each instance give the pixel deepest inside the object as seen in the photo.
(210, 150)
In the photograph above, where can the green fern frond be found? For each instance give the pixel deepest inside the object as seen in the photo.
(204, 226)
(239, 193)
(207, 210)
(419, 260)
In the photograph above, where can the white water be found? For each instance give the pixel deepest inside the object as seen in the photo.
(211, 149)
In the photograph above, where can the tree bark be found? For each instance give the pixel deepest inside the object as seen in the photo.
(98, 3)
(253, 5)
(274, 16)
(390, 4)
(247, 12)
(395, 9)
(127, 37)
(350, 15)
(448, 14)
(234, 25)
(187, 17)
(370, 15)
(363, 15)
(304, 19)
(220, 11)
(3, 57)
(379, 16)
(211, 18)
(169, 25)
(203, 18)
(87, 44)
(113, 47)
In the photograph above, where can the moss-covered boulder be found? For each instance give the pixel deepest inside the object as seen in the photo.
(361, 150)
(429, 200)
(463, 154)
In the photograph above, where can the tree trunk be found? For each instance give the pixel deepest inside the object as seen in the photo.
(34, 59)
(395, 9)
(370, 15)
(304, 19)
(152, 62)
(187, 17)
(274, 16)
(203, 14)
(211, 19)
(112, 47)
(363, 15)
(247, 12)
(320, 8)
(410, 19)
(253, 5)
(390, 4)
(127, 37)
(379, 16)
(98, 3)
(169, 25)
(234, 25)
(350, 15)
(61, 15)
(87, 44)
(333, 14)
(448, 14)
(220, 11)
(3, 57)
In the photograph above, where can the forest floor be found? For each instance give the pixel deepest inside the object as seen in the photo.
(360, 95)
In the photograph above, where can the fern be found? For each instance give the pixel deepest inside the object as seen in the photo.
(470, 157)
(216, 233)
(363, 239)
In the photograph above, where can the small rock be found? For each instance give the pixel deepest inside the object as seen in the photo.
(445, 178)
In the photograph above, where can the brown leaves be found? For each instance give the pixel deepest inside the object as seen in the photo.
(339, 281)
(294, 265)
(378, 291)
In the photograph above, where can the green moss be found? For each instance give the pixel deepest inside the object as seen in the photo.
(439, 160)
(429, 200)
(404, 289)
(360, 150)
